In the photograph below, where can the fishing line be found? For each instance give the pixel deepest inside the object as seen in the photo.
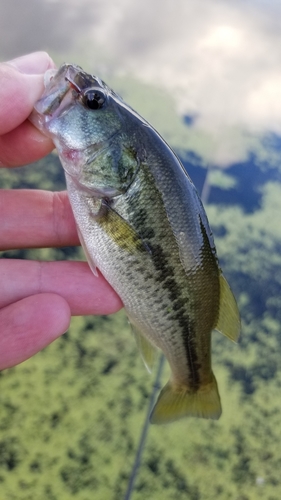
(205, 193)
(142, 440)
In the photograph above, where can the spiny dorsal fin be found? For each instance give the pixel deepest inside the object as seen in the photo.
(229, 319)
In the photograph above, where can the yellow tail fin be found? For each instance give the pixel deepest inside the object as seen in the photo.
(175, 402)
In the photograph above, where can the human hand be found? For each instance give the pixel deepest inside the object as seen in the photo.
(37, 299)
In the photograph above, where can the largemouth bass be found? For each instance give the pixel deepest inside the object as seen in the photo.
(142, 224)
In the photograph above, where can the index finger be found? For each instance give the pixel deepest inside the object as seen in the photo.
(36, 219)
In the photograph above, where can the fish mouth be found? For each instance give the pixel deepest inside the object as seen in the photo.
(62, 86)
(55, 99)
(80, 81)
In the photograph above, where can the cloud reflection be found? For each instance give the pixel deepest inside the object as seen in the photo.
(220, 60)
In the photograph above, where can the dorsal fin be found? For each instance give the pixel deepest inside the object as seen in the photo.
(229, 319)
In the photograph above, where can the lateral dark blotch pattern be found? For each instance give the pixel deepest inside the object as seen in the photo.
(167, 278)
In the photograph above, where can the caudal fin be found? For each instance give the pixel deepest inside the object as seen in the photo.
(175, 402)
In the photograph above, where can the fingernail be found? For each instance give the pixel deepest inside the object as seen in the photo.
(32, 64)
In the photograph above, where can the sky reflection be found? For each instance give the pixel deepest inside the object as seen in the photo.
(220, 61)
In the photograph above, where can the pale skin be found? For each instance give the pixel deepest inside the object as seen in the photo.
(37, 299)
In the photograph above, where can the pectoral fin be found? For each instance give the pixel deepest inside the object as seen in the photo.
(229, 319)
(89, 258)
(124, 235)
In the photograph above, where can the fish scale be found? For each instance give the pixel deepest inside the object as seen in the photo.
(142, 224)
(144, 314)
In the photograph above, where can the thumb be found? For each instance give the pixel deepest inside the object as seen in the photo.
(22, 84)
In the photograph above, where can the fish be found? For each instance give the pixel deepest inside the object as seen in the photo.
(142, 224)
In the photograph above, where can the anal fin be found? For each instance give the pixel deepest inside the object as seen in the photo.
(147, 350)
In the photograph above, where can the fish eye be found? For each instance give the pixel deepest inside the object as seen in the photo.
(93, 99)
